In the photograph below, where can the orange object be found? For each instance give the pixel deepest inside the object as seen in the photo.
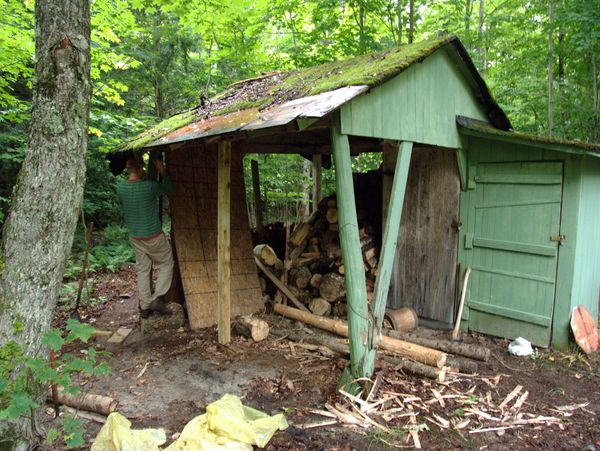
(584, 329)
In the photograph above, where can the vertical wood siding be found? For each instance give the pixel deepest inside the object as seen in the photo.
(425, 261)
(419, 105)
(586, 280)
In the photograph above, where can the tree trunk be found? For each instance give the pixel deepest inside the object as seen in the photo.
(48, 194)
(411, 21)
(481, 41)
(550, 75)
(595, 96)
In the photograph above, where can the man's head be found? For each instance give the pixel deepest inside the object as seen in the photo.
(134, 166)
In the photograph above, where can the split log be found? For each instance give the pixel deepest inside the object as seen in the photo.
(315, 280)
(265, 254)
(320, 306)
(86, 401)
(302, 277)
(466, 350)
(254, 328)
(299, 234)
(297, 251)
(332, 215)
(416, 352)
(332, 286)
(332, 250)
(313, 246)
(279, 284)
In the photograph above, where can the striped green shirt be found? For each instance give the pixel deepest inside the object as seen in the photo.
(140, 205)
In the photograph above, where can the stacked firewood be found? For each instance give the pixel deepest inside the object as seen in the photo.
(313, 270)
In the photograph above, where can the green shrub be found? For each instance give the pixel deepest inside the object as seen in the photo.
(21, 374)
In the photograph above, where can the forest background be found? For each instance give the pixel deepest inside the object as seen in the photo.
(153, 58)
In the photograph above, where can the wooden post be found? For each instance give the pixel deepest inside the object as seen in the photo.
(390, 155)
(362, 360)
(390, 239)
(258, 203)
(223, 242)
(317, 193)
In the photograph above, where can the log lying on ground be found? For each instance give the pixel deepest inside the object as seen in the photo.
(265, 254)
(466, 350)
(462, 365)
(249, 327)
(416, 352)
(86, 401)
(340, 347)
(418, 369)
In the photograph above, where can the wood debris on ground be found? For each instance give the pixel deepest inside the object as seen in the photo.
(466, 404)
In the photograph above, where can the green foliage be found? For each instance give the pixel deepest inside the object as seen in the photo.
(23, 378)
(110, 250)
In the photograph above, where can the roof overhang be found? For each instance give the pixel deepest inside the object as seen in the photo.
(473, 127)
(240, 122)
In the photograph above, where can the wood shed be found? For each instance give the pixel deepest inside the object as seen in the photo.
(460, 189)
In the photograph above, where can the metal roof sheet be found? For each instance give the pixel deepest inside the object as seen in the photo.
(316, 106)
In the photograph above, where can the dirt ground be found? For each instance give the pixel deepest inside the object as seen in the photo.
(165, 380)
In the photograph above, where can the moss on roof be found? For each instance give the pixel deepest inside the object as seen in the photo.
(270, 89)
(484, 128)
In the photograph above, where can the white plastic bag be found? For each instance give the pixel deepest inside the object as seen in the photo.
(520, 347)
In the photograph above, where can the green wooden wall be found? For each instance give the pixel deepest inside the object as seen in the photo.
(578, 269)
(586, 279)
(419, 105)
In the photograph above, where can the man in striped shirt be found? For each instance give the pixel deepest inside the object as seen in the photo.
(139, 198)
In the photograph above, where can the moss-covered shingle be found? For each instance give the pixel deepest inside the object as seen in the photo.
(261, 92)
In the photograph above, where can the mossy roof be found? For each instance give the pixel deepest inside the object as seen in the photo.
(275, 88)
(480, 128)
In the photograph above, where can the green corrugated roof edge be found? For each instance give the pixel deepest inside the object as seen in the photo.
(371, 69)
(478, 127)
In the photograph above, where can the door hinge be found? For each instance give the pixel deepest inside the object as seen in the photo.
(559, 238)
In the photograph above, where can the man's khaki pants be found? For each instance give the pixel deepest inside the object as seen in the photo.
(152, 253)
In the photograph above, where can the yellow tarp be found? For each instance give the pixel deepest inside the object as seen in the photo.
(117, 435)
(226, 425)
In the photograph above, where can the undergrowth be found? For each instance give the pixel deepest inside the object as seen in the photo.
(110, 249)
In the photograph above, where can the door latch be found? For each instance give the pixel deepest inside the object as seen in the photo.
(559, 238)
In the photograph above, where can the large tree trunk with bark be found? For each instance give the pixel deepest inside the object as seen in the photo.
(47, 197)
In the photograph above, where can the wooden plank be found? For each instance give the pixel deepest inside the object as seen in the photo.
(279, 284)
(258, 203)
(390, 236)
(512, 313)
(317, 181)
(516, 246)
(223, 242)
(362, 356)
(120, 336)
(390, 155)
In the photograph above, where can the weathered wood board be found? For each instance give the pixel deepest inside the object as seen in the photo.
(193, 169)
(425, 262)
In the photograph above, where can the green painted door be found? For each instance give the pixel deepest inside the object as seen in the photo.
(510, 243)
